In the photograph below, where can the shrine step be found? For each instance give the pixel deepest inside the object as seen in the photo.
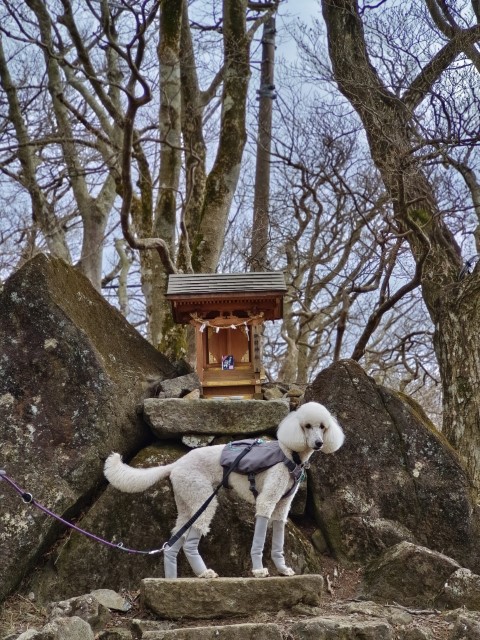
(196, 598)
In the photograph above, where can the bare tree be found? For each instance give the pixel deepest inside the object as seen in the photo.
(125, 103)
(352, 288)
(341, 259)
(411, 121)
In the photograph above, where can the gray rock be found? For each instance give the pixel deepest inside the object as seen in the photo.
(466, 628)
(111, 600)
(194, 442)
(319, 542)
(173, 418)
(273, 393)
(230, 632)
(228, 597)
(26, 635)
(66, 629)
(396, 478)
(139, 521)
(193, 395)
(415, 633)
(72, 370)
(118, 633)
(141, 627)
(295, 392)
(407, 574)
(176, 387)
(87, 607)
(342, 628)
(394, 615)
(462, 589)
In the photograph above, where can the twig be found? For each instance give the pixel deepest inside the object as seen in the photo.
(329, 585)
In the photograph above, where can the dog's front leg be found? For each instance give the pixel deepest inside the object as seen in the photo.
(256, 553)
(278, 540)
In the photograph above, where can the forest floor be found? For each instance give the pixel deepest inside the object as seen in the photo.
(19, 613)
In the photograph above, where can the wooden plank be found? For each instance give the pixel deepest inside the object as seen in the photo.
(244, 393)
(227, 379)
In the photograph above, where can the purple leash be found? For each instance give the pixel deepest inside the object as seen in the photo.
(29, 499)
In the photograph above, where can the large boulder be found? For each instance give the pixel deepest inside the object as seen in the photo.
(407, 574)
(395, 479)
(72, 372)
(144, 521)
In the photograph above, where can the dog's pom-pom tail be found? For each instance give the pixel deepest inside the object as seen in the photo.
(129, 479)
(113, 468)
(113, 462)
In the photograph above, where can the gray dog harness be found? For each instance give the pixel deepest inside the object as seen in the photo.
(262, 455)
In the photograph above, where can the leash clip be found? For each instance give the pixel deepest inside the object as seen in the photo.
(155, 551)
(27, 498)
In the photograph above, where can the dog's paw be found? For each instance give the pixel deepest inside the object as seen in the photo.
(208, 573)
(287, 572)
(260, 573)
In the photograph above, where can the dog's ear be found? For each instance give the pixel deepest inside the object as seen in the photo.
(333, 436)
(290, 433)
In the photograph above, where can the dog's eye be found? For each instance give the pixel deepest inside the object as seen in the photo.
(308, 426)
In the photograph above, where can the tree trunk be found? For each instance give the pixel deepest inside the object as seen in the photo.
(261, 202)
(457, 345)
(164, 223)
(222, 179)
(195, 149)
(388, 124)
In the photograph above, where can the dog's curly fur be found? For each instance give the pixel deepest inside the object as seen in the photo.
(310, 428)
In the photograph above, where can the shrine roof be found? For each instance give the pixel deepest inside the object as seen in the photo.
(201, 284)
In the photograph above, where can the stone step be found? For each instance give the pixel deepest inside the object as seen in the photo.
(333, 627)
(338, 628)
(175, 417)
(225, 632)
(195, 598)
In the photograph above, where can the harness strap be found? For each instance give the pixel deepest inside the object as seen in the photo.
(253, 486)
(297, 472)
(291, 466)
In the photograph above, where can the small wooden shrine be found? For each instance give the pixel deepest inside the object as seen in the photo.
(228, 312)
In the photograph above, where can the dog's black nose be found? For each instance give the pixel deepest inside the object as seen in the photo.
(318, 444)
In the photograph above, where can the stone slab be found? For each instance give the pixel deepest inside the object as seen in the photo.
(176, 417)
(342, 627)
(225, 632)
(195, 598)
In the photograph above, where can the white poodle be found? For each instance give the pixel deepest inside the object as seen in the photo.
(194, 476)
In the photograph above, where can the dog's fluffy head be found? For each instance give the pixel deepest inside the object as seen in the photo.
(313, 427)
